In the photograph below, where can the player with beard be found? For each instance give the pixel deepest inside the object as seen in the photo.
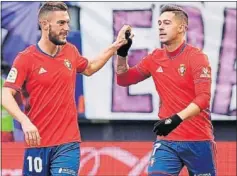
(47, 72)
(182, 77)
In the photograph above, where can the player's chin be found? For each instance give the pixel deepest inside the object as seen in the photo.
(163, 41)
(63, 39)
(63, 42)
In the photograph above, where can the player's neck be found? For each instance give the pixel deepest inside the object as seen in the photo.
(176, 49)
(172, 47)
(48, 47)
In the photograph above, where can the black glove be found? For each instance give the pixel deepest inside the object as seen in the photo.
(165, 126)
(123, 50)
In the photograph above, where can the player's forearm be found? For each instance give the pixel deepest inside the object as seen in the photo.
(132, 76)
(191, 110)
(121, 65)
(99, 61)
(9, 103)
(201, 102)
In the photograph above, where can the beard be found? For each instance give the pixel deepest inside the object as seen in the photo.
(54, 38)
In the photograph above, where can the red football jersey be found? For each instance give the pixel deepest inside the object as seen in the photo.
(50, 85)
(179, 81)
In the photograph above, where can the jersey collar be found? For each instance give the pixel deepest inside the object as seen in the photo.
(42, 52)
(176, 52)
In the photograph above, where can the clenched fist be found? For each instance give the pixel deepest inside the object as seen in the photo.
(124, 40)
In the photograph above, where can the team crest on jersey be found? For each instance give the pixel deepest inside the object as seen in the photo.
(205, 73)
(68, 64)
(182, 69)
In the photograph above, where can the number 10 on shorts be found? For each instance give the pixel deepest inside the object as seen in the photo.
(35, 163)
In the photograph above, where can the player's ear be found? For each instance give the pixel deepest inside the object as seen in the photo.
(44, 24)
(181, 28)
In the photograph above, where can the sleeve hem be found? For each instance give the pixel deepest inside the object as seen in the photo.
(199, 104)
(86, 65)
(18, 89)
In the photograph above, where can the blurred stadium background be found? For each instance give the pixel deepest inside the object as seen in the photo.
(116, 123)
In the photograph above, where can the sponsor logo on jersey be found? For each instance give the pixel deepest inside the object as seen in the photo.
(12, 75)
(68, 64)
(182, 69)
(205, 73)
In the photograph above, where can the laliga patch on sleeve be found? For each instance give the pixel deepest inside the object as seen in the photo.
(12, 75)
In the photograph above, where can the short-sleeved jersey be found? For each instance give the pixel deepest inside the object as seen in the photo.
(178, 82)
(49, 84)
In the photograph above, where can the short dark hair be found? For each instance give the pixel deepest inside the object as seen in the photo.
(178, 11)
(51, 7)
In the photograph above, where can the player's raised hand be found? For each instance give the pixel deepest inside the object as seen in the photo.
(32, 136)
(121, 34)
(124, 39)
